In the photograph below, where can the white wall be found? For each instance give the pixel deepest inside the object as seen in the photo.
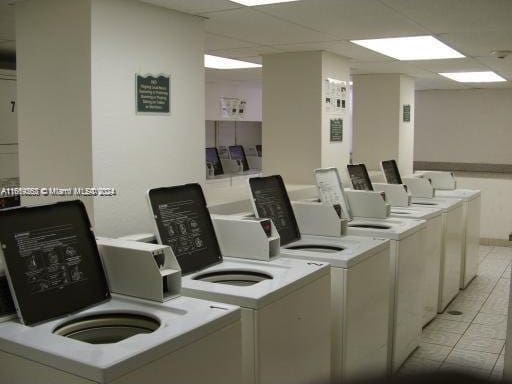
(471, 126)
(376, 101)
(53, 39)
(292, 115)
(9, 131)
(336, 154)
(465, 126)
(249, 91)
(406, 129)
(248, 132)
(136, 152)
(210, 133)
(496, 220)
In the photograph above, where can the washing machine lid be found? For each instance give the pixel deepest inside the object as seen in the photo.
(52, 261)
(416, 212)
(464, 194)
(359, 177)
(391, 172)
(270, 200)
(390, 228)
(184, 223)
(445, 203)
(283, 276)
(355, 249)
(330, 189)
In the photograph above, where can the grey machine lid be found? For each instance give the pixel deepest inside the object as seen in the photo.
(184, 223)
(391, 172)
(271, 201)
(359, 177)
(52, 261)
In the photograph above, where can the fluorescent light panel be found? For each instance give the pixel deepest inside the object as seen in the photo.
(474, 77)
(218, 62)
(410, 48)
(251, 3)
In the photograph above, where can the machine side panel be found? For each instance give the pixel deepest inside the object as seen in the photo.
(215, 358)
(451, 258)
(366, 314)
(294, 336)
(473, 213)
(409, 296)
(433, 246)
(17, 370)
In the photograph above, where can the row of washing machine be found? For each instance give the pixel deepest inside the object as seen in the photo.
(307, 293)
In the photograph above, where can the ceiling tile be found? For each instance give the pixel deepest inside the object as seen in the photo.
(340, 47)
(363, 67)
(244, 52)
(250, 25)
(195, 6)
(213, 42)
(346, 19)
(477, 42)
(425, 84)
(441, 16)
(450, 65)
(498, 65)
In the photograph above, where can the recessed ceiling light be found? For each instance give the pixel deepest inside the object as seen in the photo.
(251, 3)
(217, 62)
(411, 48)
(474, 77)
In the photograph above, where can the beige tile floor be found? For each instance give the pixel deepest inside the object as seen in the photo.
(474, 341)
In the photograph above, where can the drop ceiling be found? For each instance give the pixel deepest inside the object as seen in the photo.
(473, 27)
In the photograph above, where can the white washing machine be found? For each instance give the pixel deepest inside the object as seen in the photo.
(70, 330)
(445, 186)
(452, 246)
(407, 264)
(405, 311)
(360, 311)
(471, 212)
(421, 193)
(433, 245)
(285, 303)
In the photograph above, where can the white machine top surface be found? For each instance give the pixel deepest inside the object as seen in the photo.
(356, 249)
(286, 276)
(390, 228)
(446, 204)
(416, 212)
(464, 194)
(183, 320)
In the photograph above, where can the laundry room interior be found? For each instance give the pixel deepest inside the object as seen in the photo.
(255, 191)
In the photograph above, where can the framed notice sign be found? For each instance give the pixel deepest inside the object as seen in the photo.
(407, 113)
(336, 126)
(153, 94)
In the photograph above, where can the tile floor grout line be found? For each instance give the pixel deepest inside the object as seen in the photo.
(491, 280)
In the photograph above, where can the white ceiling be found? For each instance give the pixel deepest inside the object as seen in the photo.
(473, 27)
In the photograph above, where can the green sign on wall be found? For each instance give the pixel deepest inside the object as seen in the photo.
(153, 94)
(407, 113)
(336, 130)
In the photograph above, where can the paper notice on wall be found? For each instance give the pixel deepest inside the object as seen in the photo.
(335, 96)
(232, 108)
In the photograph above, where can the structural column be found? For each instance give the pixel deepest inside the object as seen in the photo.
(78, 122)
(383, 120)
(296, 131)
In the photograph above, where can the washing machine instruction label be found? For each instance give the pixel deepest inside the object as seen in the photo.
(52, 258)
(182, 227)
(271, 204)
